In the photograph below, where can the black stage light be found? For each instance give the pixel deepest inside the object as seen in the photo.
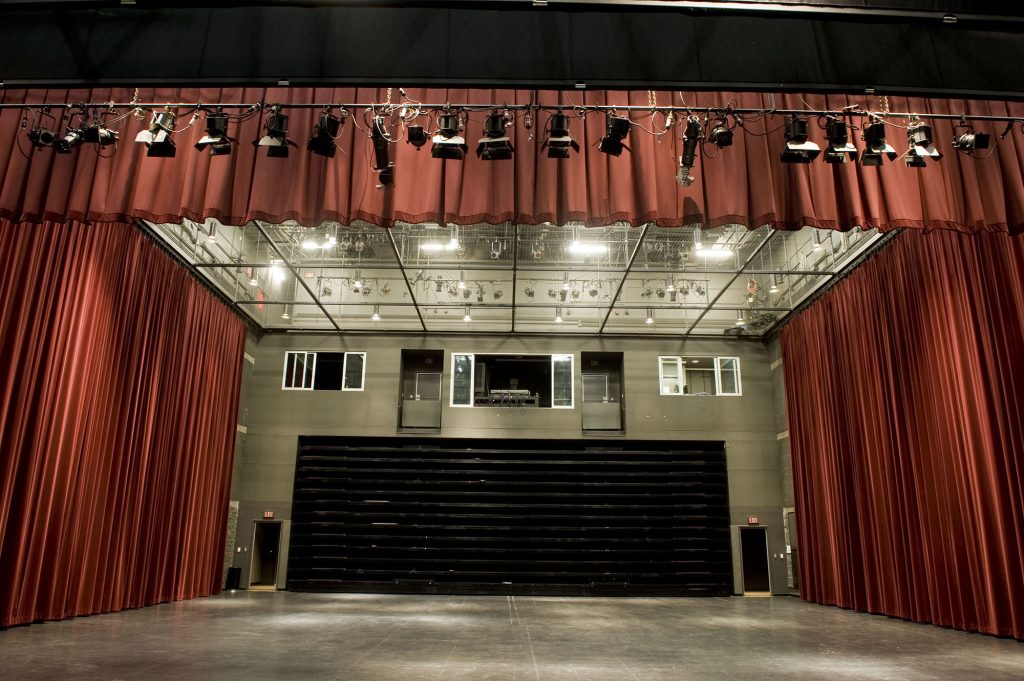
(495, 144)
(276, 140)
(692, 134)
(416, 135)
(616, 129)
(798, 148)
(72, 138)
(382, 163)
(876, 146)
(158, 137)
(216, 137)
(558, 140)
(324, 133)
(721, 135)
(919, 136)
(839, 149)
(98, 134)
(41, 137)
(970, 140)
(447, 142)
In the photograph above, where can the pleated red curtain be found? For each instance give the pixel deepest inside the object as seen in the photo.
(904, 386)
(744, 184)
(119, 379)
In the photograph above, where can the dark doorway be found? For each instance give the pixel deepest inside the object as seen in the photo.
(754, 548)
(265, 547)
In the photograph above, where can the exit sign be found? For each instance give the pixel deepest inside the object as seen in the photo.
(751, 520)
(268, 514)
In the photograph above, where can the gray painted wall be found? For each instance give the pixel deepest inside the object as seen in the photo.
(265, 461)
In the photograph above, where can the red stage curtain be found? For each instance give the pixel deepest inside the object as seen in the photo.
(745, 184)
(904, 386)
(119, 379)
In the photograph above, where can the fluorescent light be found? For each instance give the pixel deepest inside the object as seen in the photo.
(587, 248)
(310, 245)
(716, 252)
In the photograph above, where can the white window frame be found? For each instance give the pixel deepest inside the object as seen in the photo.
(718, 378)
(472, 376)
(680, 376)
(681, 368)
(344, 373)
(572, 381)
(472, 380)
(284, 370)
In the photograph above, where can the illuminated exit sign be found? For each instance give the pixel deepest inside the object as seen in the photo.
(268, 514)
(751, 520)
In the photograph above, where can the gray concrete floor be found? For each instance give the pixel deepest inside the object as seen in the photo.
(355, 637)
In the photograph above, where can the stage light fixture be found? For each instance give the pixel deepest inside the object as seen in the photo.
(721, 134)
(876, 146)
(495, 145)
(919, 136)
(71, 139)
(276, 140)
(447, 142)
(798, 148)
(376, 313)
(970, 140)
(382, 163)
(650, 316)
(216, 137)
(616, 129)
(692, 135)
(158, 137)
(416, 135)
(357, 281)
(774, 288)
(466, 317)
(839, 149)
(326, 130)
(558, 315)
(741, 320)
(558, 140)
(41, 137)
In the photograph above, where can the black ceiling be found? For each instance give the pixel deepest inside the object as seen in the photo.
(665, 45)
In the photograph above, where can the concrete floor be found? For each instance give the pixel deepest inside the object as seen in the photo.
(354, 637)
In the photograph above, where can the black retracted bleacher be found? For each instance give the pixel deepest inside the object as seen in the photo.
(510, 516)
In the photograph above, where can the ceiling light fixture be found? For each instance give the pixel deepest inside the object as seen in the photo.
(416, 135)
(558, 315)
(740, 319)
(357, 281)
(816, 241)
(650, 316)
(839, 149)
(276, 140)
(876, 146)
(774, 288)
(466, 317)
(616, 129)
(798, 148)
(969, 140)
(919, 136)
(158, 137)
(721, 133)
(326, 130)
(447, 142)
(558, 140)
(692, 135)
(382, 163)
(495, 145)
(376, 313)
(462, 279)
(216, 138)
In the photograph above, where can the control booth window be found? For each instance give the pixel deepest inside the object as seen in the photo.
(507, 380)
(324, 370)
(699, 375)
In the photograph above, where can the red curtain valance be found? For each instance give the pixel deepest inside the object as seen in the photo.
(744, 184)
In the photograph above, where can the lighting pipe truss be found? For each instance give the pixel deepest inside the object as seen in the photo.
(186, 108)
